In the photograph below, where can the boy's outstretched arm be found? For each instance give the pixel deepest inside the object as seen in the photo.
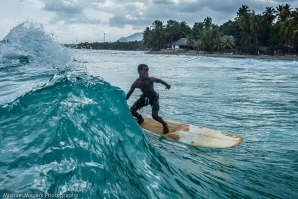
(168, 86)
(132, 88)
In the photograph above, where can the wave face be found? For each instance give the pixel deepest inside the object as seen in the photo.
(77, 136)
(66, 132)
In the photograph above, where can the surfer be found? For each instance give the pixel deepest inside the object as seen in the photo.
(149, 96)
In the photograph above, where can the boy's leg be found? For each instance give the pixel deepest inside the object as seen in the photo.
(155, 108)
(134, 112)
(159, 119)
(140, 103)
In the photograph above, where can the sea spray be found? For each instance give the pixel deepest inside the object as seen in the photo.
(28, 59)
(29, 39)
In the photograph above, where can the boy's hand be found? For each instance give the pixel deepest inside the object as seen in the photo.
(168, 87)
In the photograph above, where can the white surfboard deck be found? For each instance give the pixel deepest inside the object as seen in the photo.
(193, 135)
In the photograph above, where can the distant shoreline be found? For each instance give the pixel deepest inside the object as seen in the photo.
(226, 55)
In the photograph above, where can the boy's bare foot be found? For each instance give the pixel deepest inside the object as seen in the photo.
(165, 129)
(140, 119)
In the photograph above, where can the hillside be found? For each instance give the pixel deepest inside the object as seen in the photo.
(134, 37)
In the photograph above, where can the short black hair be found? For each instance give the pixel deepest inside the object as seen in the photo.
(141, 66)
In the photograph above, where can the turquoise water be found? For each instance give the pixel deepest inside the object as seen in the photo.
(65, 127)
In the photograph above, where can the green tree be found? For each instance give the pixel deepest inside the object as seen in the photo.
(283, 12)
(228, 42)
(243, 10)
(172, 31)
(158, 35)
(148, 38)
(197, 29)
(207, 22)
(217, 43)
(286, 31)
(269, 17)
(256, 27)
(184, 29)
(209, 37)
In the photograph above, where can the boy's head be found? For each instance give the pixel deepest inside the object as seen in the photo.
(143, 70)
(141, 66)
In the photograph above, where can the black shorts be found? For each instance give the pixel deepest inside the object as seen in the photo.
(144, 101)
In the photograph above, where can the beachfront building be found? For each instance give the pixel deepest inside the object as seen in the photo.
(183, 44)
(180, 44)
(262, 49)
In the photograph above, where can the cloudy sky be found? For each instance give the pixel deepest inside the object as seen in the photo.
(74, 21)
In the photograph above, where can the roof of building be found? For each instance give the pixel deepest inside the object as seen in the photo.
(262, 48)
(180, 42)
(227, 36)
(183, 42)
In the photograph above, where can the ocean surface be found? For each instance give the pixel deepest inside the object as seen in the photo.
(66, 129)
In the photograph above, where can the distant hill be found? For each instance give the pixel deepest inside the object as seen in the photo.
(136, 36)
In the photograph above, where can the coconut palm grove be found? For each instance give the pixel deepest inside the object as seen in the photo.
(276, 29)
(273, 32)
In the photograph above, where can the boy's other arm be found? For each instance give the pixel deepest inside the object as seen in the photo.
(132, 88)
(168, 86)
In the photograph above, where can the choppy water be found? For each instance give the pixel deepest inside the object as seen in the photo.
(65, 127)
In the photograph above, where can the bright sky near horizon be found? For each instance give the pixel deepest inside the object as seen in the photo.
(75, 21)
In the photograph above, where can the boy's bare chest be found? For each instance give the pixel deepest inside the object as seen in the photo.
(143, 84)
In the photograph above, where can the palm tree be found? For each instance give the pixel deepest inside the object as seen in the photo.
(217, 43)
(294, 17)
(197, 29)
(172, 31)
(184, 29)
(190, 40)
(286, 31)
(269, 17)
(158, 34)
(256, 26)
(148, 38)
(206, 38)
(244, 22)
(207, 22)
(245, 38)
(283, 12)
(243, 10)
(228, 42)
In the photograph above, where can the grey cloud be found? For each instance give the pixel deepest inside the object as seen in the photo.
(70, 11)
(121, 21)
(191, 7)
(286, 2)
(158, 2)
(62, 7)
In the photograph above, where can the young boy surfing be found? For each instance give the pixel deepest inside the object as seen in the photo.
(149, 96)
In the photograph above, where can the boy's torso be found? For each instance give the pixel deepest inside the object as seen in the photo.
(146, 86)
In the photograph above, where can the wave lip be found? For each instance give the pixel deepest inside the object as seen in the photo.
(29, 58)
(28, 40)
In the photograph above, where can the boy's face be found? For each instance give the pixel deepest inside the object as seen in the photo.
(144, 72)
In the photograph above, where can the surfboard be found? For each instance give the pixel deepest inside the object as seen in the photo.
(193, 135)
